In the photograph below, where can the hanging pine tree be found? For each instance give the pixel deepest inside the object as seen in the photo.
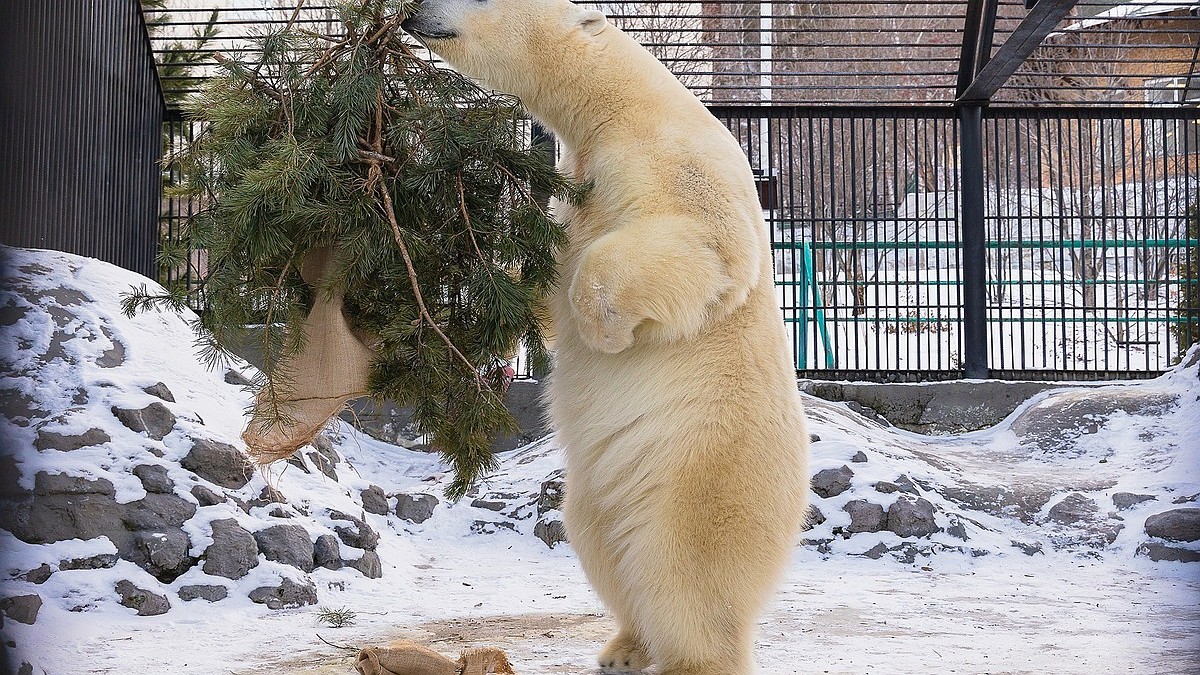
(405, 195)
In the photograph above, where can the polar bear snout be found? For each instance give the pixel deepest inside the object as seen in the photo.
(426, 27)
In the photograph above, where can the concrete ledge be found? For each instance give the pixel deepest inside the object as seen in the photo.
(936, 408)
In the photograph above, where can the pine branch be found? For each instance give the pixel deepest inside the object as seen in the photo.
(480, 384)
(250, 78)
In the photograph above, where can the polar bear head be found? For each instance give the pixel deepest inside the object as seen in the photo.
(510, 45)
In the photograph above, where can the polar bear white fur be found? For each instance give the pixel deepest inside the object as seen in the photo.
(673, 393)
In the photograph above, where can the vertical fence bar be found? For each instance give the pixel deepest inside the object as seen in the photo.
(974, 244)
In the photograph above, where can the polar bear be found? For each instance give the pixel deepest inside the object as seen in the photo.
(673, 391)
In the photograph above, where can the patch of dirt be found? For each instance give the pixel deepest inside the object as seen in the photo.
(542, 643)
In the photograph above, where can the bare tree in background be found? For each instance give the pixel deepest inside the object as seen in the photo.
(672, 32)
(1071, 68)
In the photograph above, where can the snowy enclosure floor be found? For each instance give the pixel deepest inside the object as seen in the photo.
(1054, 614)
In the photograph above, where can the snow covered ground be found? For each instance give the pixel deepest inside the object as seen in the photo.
(1024, 549)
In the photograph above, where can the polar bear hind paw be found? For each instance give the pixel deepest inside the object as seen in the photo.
(623, 654)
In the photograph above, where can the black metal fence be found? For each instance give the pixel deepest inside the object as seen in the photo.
(1086, 234)
(80, 130)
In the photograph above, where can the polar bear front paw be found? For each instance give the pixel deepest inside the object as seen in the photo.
(623, 654)
(602, 324)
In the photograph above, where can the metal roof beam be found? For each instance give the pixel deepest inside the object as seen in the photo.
(1034, 28)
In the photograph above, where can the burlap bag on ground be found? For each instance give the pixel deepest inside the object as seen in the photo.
(403, 657)
(331, 369)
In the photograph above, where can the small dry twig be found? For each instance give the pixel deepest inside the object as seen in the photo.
(342, 647)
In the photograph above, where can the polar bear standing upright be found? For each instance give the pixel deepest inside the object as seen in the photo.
(674, 392)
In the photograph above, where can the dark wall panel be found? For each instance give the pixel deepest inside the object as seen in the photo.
(80, 130)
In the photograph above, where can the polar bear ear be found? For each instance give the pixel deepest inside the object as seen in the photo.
(592, 21)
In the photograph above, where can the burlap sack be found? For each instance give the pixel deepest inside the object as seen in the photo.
(331, 369)
(404, 657)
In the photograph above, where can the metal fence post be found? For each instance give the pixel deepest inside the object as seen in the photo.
(974, 235)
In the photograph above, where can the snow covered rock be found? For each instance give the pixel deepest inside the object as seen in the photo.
(551, 532)
(909, 517)
(288, 544)
(374, 500)
(218, 463)
(155, 420)
(865, 516)
(154, 478)
(360, 536)
(369, 564)
(202, 592)
(1175, 525)
(233, 552)
(287, 593)
(327, 553)
(51, 440)
(415, 508)
(1127, 500)
(832, 482)
(22, 608)
(145, 602)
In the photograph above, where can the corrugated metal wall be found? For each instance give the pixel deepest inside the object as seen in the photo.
(80, 130)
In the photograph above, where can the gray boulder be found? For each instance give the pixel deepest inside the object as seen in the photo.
(1074, 508)
(1126, 500)
(1175, 525)
(957, 528)
(164, 554)
(551, 532)
(905, 484)
(218, 463)
(488, 504)
(865, 516)
(22, 608)
(63, 507)
(100, 561)
(287, 544)
(51, 440)
(1162, 553)
(202, 592)
(908, 517)
(551, 493)
(362, 536)
(146, 532)
(145, 602)
(269, 495)
(832, 482)
(154, 478)
(287, 594)
(327, 553)
(859, 457)
(160, 390)
(205, 496)
(815, 517)
(37, 575)
(234, 377)
(155, 420)
(369, 564)
(415, 508)
(233, 552)
(323, 465)
(374, 500)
